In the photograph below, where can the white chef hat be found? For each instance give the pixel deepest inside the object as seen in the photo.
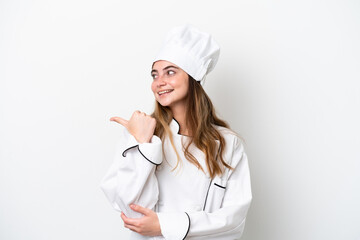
(194, 51)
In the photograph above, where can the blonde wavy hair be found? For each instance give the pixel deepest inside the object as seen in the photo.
(200, 118)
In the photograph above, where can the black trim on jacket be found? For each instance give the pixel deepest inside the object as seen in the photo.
(188, 227)
(207, 193)
(219, 185)
(123, 154)
(138, 148)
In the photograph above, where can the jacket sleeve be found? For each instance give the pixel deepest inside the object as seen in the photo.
(131, 178)
(226, 208)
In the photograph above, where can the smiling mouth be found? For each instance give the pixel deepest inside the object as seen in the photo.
(165, 91)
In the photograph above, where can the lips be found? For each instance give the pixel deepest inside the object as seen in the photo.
(165, 91)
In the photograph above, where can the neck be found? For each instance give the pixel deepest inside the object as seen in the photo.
(179, 113)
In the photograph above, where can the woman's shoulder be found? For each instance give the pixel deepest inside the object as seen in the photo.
(234, 145)
(224, 130)
(230, 136)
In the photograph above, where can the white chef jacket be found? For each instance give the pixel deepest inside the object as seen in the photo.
(189, 204)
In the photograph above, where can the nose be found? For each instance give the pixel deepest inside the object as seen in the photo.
(161, 82)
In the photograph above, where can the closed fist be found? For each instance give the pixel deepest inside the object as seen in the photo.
(140, 125)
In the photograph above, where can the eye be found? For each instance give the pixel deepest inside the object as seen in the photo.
(154, 76)
(171, 72)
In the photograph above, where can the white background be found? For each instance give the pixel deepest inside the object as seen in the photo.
(288, 80)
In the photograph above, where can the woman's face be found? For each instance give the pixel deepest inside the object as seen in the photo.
(170, 84)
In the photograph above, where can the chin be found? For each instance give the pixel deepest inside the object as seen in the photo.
(163, 103)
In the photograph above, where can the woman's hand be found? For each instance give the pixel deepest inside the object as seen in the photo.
(148, 225)
(140, 125)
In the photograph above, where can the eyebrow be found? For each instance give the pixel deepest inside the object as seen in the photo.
(165, 68)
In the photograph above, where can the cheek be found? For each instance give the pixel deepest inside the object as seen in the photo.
(185, 91)
(153, 87)
(186, 87)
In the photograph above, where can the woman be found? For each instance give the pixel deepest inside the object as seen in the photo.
(180, 173)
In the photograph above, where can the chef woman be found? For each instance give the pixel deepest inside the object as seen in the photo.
(180, 173)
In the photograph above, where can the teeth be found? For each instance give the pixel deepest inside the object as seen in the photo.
(165, 91)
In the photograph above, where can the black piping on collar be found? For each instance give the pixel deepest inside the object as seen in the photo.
(178, 132)
(137, 146)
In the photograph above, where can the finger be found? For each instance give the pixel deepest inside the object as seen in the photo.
(136, 112)
(140, 209)
(139, 113)
(132, 228)
(120, 121)
(129, 221)
(123, 217)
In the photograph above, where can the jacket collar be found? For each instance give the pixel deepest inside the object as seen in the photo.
(175, 128)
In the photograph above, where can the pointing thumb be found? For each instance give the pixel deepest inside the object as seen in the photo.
(120, 121)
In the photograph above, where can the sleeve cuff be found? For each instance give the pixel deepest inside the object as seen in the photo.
(174, 226)
(150, 151)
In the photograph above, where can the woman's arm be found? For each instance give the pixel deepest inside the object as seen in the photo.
(131, 178)
(221, 220)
